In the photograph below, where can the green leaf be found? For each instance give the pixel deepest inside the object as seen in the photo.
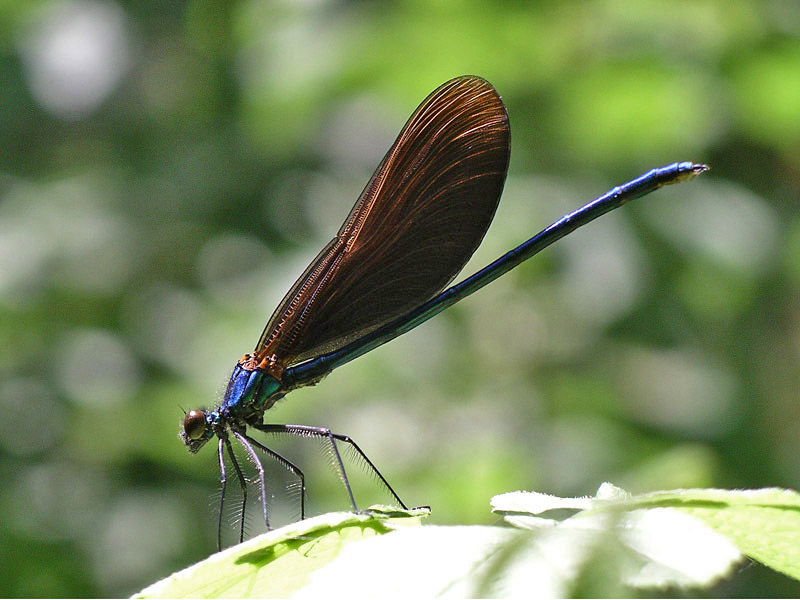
(607, 545)
(279, 562)
(763, 524)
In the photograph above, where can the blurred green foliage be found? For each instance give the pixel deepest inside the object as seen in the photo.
(168, 168)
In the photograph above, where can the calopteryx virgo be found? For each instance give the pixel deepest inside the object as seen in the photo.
(417, 222)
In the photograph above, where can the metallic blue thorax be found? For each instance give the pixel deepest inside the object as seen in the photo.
(249, 392)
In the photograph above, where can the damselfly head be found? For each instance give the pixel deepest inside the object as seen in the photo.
(197, 430)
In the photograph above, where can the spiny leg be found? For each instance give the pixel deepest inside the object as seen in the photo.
(260, 468)
(289, 466)
(346, 439)
(223, 477)
(242, 482)
(324, 432)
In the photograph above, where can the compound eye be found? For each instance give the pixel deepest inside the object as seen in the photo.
(194, 424)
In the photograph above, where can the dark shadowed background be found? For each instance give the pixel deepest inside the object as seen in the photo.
(168, 168)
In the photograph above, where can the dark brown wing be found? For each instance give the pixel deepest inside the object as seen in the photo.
(415, 225)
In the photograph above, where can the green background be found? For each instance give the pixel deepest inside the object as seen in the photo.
(168, 168)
